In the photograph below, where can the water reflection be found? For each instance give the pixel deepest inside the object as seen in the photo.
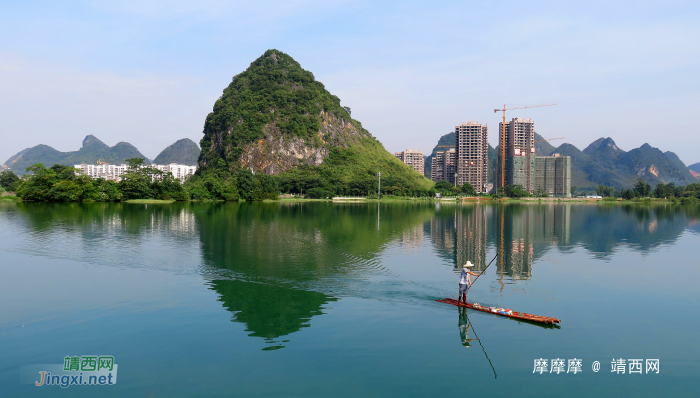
(269, 311)
(522, 233)
(464, 326)
(275, 265)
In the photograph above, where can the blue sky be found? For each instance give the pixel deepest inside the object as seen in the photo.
(148, 72)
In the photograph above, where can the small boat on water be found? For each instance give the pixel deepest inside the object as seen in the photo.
(503, 312)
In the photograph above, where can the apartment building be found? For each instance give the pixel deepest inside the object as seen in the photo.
(472, 155)
(437, 167)
(114, 172)
(413, 158)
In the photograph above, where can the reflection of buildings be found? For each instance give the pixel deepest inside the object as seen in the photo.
(460, 233)
(413, 237)
(521, 233)
(471, 237)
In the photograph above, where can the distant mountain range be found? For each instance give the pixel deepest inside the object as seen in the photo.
(603, 162)
(93, 150)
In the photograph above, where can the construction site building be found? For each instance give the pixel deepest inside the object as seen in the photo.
(413, 158)
(519, 153)
(472, 155)
(553, 175)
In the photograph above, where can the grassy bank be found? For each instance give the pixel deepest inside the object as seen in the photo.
(149, 201)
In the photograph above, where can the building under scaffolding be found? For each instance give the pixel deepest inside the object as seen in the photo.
(553, 175)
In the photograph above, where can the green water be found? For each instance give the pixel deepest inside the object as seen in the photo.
(320, 299)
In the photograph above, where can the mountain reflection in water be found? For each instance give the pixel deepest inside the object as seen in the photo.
(275, 265)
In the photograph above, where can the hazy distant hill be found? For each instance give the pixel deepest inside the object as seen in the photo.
(183, 151)
(92, 150)
(695, 170)
(603, 162)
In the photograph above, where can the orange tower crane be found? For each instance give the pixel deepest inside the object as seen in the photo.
(502, 141)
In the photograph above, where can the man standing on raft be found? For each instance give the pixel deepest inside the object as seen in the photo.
(465, 282)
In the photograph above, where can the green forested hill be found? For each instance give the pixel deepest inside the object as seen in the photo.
(92, 150)
(184, 151)
(276, 118)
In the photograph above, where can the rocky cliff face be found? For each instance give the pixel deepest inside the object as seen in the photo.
(277, 152)
(273, 117)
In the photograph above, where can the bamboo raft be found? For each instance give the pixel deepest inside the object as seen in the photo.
(509, 314)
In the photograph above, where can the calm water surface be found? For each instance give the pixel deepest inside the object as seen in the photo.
(321, 299)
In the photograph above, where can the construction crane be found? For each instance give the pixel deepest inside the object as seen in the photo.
(502, 141)
(550, 139)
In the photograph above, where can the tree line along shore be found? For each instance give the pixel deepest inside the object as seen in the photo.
(60, 183)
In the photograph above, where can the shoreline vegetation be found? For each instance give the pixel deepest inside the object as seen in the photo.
(144, 185)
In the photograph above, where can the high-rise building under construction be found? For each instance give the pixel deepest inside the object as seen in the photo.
(519, 154)
(553, 175)
(472, 155)
(548, 174)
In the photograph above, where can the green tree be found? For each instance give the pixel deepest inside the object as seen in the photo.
(318, 193)
(665, 190)
(628, 194)
(8, 178)
(516, 191)
(468, 189)
(135, 185)
(606, 191)
(642, 188)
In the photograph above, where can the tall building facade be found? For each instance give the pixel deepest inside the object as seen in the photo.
(444, 166)
(553, 175)
(413, 158)
(451, 165)
(472, 155)
(437, 166)
(519, 154)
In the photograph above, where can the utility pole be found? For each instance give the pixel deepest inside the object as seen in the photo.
(379, 185)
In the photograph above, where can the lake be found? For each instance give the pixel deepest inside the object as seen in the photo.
(320, 299)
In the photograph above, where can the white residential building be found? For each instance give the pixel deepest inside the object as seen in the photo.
(104, 170)
(114, 172)
(180, 171)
